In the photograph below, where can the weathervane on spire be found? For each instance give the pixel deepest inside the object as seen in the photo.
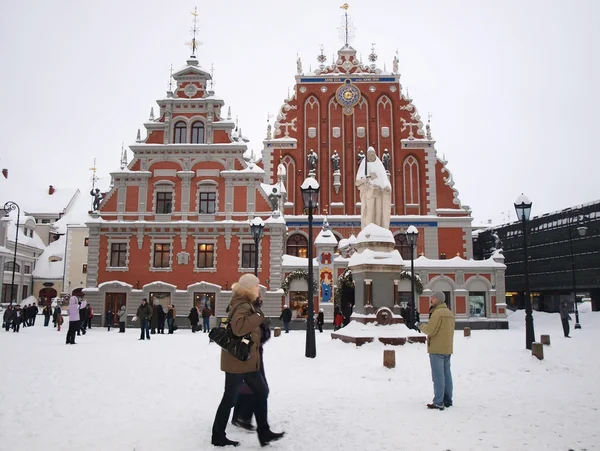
(212, 76)
(194, 31)
(347, 30)
(95, 192)
(171, 78)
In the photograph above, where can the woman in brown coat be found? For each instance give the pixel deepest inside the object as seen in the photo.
(244, 319)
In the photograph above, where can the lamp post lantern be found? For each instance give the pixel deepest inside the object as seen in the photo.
(523, 209)
(310, 196)
(412, 235)
(575, 217)
(8, 207)
(256, 228)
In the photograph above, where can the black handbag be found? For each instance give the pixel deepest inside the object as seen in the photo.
(238, 347)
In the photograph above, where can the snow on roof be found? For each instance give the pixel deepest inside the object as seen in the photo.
(370, 257)
(24, 240)
(326, 236)
(291, 261)
(343, 243)
(458, 263)
(114, 283)
(51, 265)
(77, 216)
(34, 199)
(373, 233)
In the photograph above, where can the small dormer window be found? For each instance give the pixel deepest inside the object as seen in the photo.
(30, 233)
(180, 135)
(198, 132)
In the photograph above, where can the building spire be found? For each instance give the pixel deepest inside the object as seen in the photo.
(123, 157)
(346, 26)
(269, 134)
(138, 138)
(151, 113)
(194, 44)
(94, 177)
(170, 91)
(228, 113)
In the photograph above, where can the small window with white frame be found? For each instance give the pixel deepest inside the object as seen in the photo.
(164, 197)
(207, 201)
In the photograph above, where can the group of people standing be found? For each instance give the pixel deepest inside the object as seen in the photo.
(155, 316)
(196, 314)
(15, 317)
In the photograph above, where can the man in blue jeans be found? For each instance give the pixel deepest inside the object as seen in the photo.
(144, 313)
(440, 338)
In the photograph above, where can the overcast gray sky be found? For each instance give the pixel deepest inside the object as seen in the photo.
(512, 84)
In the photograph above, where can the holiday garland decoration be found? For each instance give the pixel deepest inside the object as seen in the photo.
(344, 281)
(299, 274)
(405, 275)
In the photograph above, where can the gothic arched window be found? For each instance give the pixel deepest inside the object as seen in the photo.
(297, 245)
(410, 171)
(180, 133)
(197, 132)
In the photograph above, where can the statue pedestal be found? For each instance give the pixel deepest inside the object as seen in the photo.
(337, 184)
(376, 267)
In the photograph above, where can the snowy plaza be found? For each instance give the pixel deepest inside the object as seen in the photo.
(121, 394)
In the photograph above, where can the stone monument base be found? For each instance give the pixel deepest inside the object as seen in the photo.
(383, 326)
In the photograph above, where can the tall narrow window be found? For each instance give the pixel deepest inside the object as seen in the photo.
(206, 253)
(25, 291)
(180, 133)
(162, 255)
(118, 255)
(86, 241)
(164, 202)
(84, 269)
(411, 181)
(26, 269)
(197, 132)
(248, 255)
(208, 203)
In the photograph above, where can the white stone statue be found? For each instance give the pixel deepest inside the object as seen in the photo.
(375, 192)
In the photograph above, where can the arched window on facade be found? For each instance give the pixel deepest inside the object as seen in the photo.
(297, 245)
(8, 266)
(402, 246)
(198, 132)
(180, 133)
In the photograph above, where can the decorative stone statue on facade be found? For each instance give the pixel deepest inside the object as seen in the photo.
(95, 193)
(299, 66)
(335, 161)
(312, 162)
(385, 159)
(360, 157)
(375, 191)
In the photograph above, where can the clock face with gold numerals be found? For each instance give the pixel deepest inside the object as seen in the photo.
(348, 96)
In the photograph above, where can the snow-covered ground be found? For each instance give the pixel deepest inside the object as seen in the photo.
(113, 392)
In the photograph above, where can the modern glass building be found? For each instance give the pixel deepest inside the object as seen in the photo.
(564, 256)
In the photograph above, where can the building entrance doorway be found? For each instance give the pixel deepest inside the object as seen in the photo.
(299, 304)
(46, 295)
(202, 299)
(114, 301)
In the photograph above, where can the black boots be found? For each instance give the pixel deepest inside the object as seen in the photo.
(241, 423)
(269, 437)
(224, 442)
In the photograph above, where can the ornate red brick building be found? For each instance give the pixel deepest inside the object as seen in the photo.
(174, 226)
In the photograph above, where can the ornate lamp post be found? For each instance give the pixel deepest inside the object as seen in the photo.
(412, 235)
(575, 217)
(523, 209)
(256, 228)
(310, 196)
(8, 207)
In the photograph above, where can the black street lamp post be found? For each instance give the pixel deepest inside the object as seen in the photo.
(575, 217)
(523, 208)
(310, 196)
(412, 234)
(8, 207)
(256, 228)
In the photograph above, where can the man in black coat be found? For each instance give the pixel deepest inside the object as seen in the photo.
(286, 317)
(46, 313)
(320, 320)
(160, 319)
(34, 312)
(194, 318)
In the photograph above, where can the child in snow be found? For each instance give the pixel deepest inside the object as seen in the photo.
(59, 321)
(339, 320)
